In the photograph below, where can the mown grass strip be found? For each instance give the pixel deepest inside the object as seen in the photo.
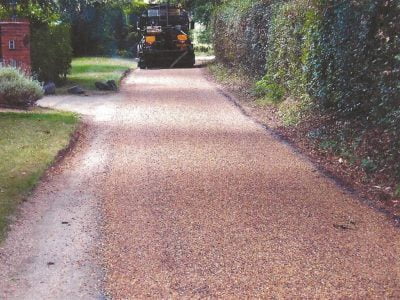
(29, 143)
(86, 71)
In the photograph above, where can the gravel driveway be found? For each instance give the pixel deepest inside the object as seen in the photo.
(176, 194)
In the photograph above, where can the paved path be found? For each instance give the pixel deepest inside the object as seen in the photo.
(199, 201)
(51, 250)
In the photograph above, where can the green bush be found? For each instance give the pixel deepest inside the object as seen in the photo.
(205, 36)
(290, 35)
(344, 54)
(270, 90)
(203, 49)
(51, 52)
(18, 90)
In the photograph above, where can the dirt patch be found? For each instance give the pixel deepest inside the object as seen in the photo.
(77, 135)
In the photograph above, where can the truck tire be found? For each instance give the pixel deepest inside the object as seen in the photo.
(142, 64)
(191, 62)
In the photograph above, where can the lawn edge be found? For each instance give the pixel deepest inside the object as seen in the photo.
(62, 90)
(57, 160)
(75, 136)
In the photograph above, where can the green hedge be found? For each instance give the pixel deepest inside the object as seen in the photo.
(355, 68)
(340, 58)
(51, 52)
(345, 54)
(288, 51)
(240, 34)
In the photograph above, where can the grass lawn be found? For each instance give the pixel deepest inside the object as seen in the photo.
(86, 71)
(29, 143)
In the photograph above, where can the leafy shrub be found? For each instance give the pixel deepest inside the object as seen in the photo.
(204, 36)
(293, 111)
(272, 91)
(18, 90)
(287, 53)
(203, 48)
(51, 52)
(288, 50)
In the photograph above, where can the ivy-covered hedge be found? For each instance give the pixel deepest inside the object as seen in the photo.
(240, 31)
(288, 51)
(355, 67)
(338, 58)
(354, 72)
(51, 52)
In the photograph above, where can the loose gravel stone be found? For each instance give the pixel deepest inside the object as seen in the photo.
(200, 201)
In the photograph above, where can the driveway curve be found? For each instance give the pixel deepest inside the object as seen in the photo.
(198, 201)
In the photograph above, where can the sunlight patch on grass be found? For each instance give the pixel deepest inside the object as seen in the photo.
(86, 71)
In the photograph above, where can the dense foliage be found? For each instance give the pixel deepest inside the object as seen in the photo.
(61, 28)
(336, 58)
(18, 90)
(100, 27)
(201, 9)
(51, 52)
(37, 11)
(241, 34)
(50, 39)
(354, 72)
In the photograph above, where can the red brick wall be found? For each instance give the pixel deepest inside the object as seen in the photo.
(19, 31)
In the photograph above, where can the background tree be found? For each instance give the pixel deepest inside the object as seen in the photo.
(50, 39)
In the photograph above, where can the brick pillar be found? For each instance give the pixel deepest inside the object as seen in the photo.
(15, 44)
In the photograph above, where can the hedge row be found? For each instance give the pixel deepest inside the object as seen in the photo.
(339, 57)
(241, 34)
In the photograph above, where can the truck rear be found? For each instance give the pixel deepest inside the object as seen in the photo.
(165, 37)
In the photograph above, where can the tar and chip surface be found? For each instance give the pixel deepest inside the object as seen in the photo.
(198, 201)
(202, 202)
